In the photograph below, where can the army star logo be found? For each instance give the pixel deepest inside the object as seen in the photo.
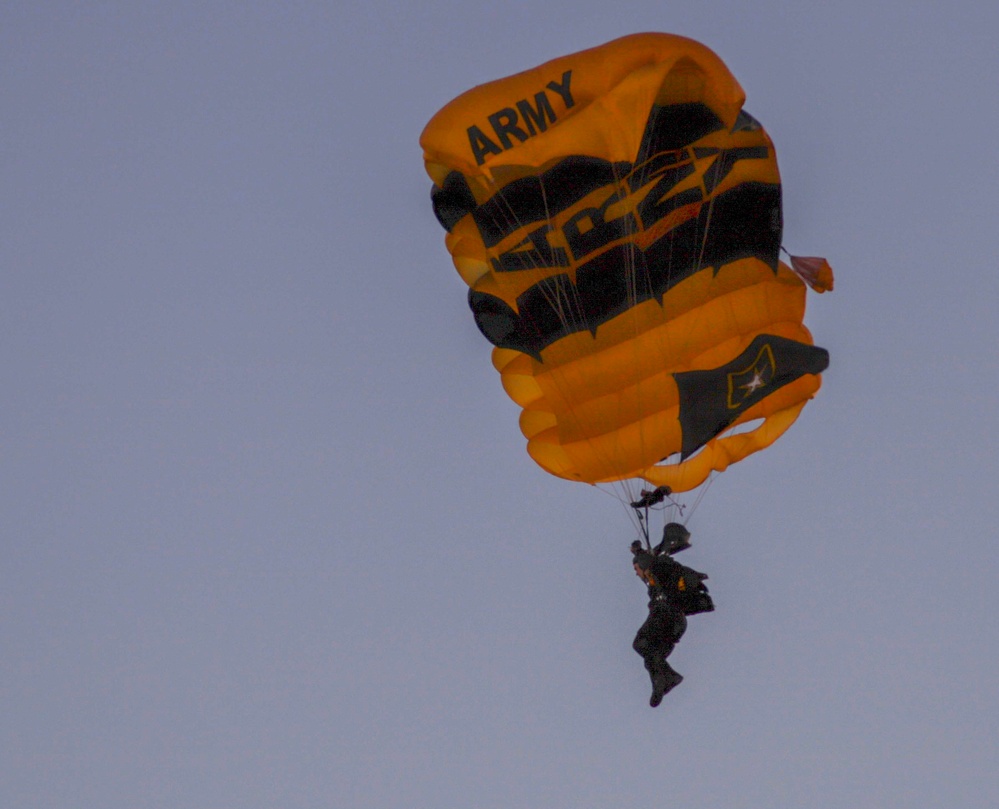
(754, 383)
(743, 385)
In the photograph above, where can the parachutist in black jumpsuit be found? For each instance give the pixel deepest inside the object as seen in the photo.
(666, 622)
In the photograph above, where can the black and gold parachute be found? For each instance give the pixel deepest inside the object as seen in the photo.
(616, 215)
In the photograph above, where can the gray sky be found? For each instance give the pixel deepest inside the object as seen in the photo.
(270, 537)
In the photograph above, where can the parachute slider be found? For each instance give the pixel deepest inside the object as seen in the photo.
(676, 538)
(651, 498)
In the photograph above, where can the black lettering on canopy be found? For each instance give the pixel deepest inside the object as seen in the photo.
(542, 196)
(527, 200)
(536, 118)
(538, 253)
(504, 124)
(656, 204)
(744, 222)
(481, 145)
(589, 229)
(507, 122)
(562, 88)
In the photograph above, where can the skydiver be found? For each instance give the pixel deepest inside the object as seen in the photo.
(674, 591)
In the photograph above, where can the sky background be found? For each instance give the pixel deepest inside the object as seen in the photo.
(269, 536)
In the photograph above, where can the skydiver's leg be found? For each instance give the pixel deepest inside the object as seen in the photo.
(643, 638)
(670, 626)
(654, 642)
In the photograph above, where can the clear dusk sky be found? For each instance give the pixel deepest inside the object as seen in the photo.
(269, 538)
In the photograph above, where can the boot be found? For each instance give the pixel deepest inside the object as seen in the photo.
(664, 680)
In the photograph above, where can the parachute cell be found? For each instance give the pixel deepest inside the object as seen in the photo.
(616, 215)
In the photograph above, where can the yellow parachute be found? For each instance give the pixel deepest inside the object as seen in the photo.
(617, 218)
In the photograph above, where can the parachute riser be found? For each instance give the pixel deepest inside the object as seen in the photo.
(643, 523)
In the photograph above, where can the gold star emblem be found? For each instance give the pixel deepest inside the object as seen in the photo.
(754, 383)
(743, 384)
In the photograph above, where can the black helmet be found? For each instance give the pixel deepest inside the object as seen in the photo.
(642, 558)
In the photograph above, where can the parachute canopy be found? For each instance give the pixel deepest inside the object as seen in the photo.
(616, 215)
